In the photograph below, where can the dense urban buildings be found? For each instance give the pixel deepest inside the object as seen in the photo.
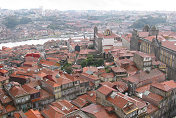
(94, 66)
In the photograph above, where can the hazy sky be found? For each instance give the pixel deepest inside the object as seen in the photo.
(91, 4)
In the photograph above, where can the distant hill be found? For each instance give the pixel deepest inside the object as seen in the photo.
(13, 21)
(149, 20)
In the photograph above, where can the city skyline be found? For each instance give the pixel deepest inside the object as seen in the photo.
(138, 5)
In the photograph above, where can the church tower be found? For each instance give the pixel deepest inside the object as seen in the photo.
(153, 31)
(146, 28)
(95, 31)
(134, 42)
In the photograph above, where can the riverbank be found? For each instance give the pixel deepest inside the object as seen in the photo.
(26, 39)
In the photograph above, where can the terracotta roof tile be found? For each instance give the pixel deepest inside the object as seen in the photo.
(79, 102)
(110, 84)
(163, 87)
(143, 88)
(154, 76)
(155, 97)
(121, 86)
(151, 108)
(107, 75)
(170, 83)
(3, 71)
(143, 34)
(2, 78)
(100, 35)
(64, 106)
(45, 95)
(98, 111)
(118, 69)
(17, 91)
(29, 89)
(52, 112)
(33, 114)
(105, 90)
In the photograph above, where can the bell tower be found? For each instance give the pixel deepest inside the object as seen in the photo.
(134, 42)
(95, 31)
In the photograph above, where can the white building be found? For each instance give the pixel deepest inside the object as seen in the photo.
(105, 40)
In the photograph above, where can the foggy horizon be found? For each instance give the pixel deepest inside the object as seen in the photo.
(118, 5)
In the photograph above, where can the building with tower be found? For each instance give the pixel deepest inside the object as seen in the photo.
(156, 43)
(105, 40)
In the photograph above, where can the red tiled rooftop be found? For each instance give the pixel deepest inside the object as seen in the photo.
(121, 86)
(10, 108)
(163, 87)
(170, 83)
(29, 89)
(154, 97)
(91, 68)
(17, 91)
(107, 75)
(143, 34)
(20, 114)
(79, 102)
(143, 88)
(118, 69)
(151, 109)
(52, 112)
(3, 71)
(98, 111)
(4, 98)
(169, 44)
(37, 55)
(105, 90)
(142, 54)
(101, 35)
(64, 106)
(50, 63)
(2, 78)
(44, 94)
(33, 114)
(118, 101)
(110, 84)
(155, 76)
(92, 77)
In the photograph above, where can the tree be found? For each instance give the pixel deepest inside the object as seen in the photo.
(91, 61)
(11, 21)
(67, 68)
(24, 20)
(149, 20)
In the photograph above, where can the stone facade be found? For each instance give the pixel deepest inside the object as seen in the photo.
(154, 44)
(105, 40)
(142, 61)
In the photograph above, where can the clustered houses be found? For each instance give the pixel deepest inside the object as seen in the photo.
(127, 108)
(130, 84)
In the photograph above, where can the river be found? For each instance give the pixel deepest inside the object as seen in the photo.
(32, 42)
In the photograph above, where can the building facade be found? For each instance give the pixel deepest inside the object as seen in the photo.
(164, 50)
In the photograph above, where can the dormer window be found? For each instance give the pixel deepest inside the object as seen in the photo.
(107, 32)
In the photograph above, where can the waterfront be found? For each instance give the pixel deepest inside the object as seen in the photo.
(28, 42)
(35, 42)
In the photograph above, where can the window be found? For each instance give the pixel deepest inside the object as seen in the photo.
(22, 100)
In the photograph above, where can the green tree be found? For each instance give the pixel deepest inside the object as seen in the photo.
(11, 21)
(67, 68)
(149, 20)
(91, 61)
(24, 20)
